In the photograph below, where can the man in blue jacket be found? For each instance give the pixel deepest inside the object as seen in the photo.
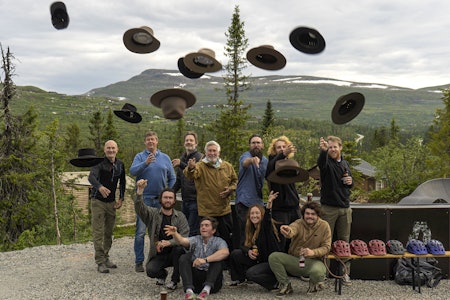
(155, 167)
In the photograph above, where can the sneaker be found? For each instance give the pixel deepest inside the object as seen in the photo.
(237, 283)
(102, 268)
(284, 290)
(160, 281)
(203, 295)
(110, 264)
(171, 286)
(315, 287)
(189, 296)
(346, 280)
(139, 268)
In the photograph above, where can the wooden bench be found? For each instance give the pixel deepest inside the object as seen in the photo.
(414, 259)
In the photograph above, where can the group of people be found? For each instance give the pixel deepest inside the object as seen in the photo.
(277, 239)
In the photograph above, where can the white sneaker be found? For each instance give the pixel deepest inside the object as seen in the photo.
(346, 280)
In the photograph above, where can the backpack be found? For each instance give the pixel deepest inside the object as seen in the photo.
(430, 274)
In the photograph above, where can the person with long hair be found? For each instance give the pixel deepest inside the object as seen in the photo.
(250, 261)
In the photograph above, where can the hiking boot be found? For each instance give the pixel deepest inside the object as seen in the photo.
(346, 280)
(189, 296)
(110, 264)
(102, 268)
(203, 295)
(285, 289)
(315, 287)
(172, 286)
(160, 281)
(139, 268)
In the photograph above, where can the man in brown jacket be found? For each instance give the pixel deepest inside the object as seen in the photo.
(310, 241)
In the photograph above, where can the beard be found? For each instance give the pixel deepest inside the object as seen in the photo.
(167, 206)
(256, 152)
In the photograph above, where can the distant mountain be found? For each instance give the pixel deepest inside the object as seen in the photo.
(291, 96)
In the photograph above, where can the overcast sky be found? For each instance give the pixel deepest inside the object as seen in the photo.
(397, 42)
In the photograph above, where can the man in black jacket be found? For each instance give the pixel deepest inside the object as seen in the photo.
(104, 178)
(188, 191)
(336, 182)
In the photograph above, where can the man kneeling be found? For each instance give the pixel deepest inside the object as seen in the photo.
(310, 241)
(201, 268)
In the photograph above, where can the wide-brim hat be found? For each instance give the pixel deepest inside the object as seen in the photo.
(203, 61)
(307, 40)
(186, 72)
(60, 17)
(86, 158)
(129, 113)
(173, 102)
(141, 40)
(287, 171)
(347, 107)
(266, 57)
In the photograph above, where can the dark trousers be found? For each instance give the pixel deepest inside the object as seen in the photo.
(239, 263)
(285, 218)
(241, 213)
(196, 279)
(156, 266)
(189, 209)
(262, 275)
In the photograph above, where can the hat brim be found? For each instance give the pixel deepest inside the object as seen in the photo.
(132, 117)
(189, 62)
(288, 174)
(307, 40)
(158, 97)
(186, 72)
(86, 162)
(347, 107)
(266, 58)
(131, 45)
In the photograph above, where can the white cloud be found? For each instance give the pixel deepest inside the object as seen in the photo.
(403, 43)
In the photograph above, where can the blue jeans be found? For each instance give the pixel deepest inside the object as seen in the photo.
(141, 227)
(191, 212)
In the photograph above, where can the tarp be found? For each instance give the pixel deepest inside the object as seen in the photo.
(429, 192)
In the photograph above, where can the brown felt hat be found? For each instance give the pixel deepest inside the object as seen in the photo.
(173, 102)
(287, 171)
(347, 107)
(203, 61)
(266, 57)
(140, 40)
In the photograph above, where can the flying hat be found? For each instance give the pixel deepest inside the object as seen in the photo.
(347, 107)
(173, 102)
(128, 113)
(86, 158)
(307, 40)
(203, 61)
(186, 72)
(266, 57)
(287, 171)
(140, 40)
(60, 18)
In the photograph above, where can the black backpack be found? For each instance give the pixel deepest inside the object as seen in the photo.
(430, 274)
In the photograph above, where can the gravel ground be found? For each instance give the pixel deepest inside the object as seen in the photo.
(69, 272)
